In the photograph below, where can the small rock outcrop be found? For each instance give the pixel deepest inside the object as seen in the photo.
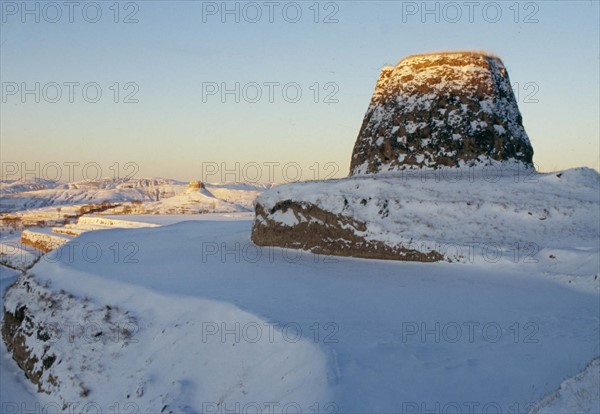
(196, 185)
(447, 109)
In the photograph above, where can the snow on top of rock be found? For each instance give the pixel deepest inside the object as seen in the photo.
(440, 97)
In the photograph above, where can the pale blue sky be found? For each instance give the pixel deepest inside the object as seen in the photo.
(170, 52)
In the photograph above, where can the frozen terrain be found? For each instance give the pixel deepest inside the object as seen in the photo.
(39, 215)
(48, 200)
(580, 394)
(157, 305)
(16, 255)
(467, 215)
(29, 194)
(374, 336)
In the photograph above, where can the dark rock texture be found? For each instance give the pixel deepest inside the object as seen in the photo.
(326, 233)
(441, 110)
(28, 339)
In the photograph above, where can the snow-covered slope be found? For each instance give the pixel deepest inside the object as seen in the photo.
(47, 239)
(529, 217)
(135, 347)
(213, 198)
(17, 255)
(90, 223)
(376, 336)
(23, 185)
(579, 394)
(87, 192)
(43, 239)
(50, 204)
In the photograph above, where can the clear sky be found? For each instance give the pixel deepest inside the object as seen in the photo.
(175, 57)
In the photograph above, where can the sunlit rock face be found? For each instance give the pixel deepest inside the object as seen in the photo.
(437, 110)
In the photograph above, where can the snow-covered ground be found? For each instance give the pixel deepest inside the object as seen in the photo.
(21, 249)
(45, 214)
(580, 394)
(166, 219)
(47, 200)
(16, 255)
(351, 335)
(29, 194)
(469, 215)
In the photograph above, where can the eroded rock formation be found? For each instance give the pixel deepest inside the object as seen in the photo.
(428, 114)
(443, 109)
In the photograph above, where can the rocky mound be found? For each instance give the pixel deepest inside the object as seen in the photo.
(453, 170)
(443, 109)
